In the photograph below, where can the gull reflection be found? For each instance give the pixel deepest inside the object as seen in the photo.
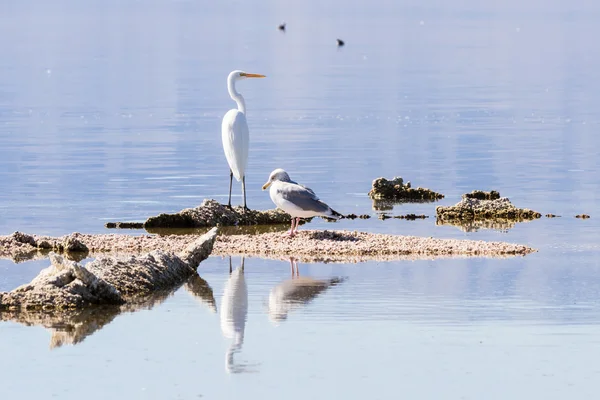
(202, 291)
(234, 313)
(296, 292)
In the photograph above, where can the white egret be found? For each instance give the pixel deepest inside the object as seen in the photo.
(235, 134)
(296, 200)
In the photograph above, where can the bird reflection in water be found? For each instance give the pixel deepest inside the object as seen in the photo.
(234, 313)
(296, 292)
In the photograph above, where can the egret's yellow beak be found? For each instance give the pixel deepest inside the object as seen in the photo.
(266, 185)
(252, 75)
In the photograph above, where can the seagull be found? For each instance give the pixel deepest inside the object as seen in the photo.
(296, 200)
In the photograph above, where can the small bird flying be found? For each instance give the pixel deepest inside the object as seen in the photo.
(296, 200)
(235, 133)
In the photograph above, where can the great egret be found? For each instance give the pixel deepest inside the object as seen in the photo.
(296, 200)
(235, 135)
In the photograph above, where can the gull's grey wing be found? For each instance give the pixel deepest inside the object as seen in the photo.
(302, 197)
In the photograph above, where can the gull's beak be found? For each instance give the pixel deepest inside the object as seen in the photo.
(252, 75)
(266, 185)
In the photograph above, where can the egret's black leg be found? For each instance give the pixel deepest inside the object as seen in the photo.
(242, 263)
(244, 192)
(230, 183)
(230, 269)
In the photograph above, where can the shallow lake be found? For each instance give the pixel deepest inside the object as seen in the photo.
(112, 110)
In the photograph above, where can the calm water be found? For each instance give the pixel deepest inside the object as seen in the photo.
(111, 110)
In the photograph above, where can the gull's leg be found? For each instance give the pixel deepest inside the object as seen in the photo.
(289, 233)
(230, 183)
(297, 223)
(244, 190)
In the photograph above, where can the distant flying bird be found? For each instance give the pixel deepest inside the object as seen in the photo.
(235, 134)
(340, 42)
(296, 200)
(282, 27)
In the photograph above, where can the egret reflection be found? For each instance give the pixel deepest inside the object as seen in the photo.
(296, 292)
(234, 313)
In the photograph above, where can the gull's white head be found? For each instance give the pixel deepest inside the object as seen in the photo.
(277, 175)
(239, 75)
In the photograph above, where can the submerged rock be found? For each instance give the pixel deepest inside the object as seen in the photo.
(396, 189)
(107, 280)
(473, 207)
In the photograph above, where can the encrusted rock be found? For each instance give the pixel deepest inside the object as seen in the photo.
(473, 208)
(107, 280)
(396, 189)
(209, 213)
(481, 195)
(73, 243)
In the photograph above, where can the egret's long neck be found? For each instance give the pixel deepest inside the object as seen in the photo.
(236, 96)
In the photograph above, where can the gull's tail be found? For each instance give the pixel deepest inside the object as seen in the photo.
(334, 214)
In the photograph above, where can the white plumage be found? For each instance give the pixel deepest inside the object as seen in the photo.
(236, 140)
(235, 134)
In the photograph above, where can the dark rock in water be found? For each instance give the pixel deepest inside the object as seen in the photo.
(481, 195)
(340, 42)
(472, 208)
(213, 213)
(107, 280)
(124, 225)
(281, 27)
(411, 217)
(396, 189)
(583, 216)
